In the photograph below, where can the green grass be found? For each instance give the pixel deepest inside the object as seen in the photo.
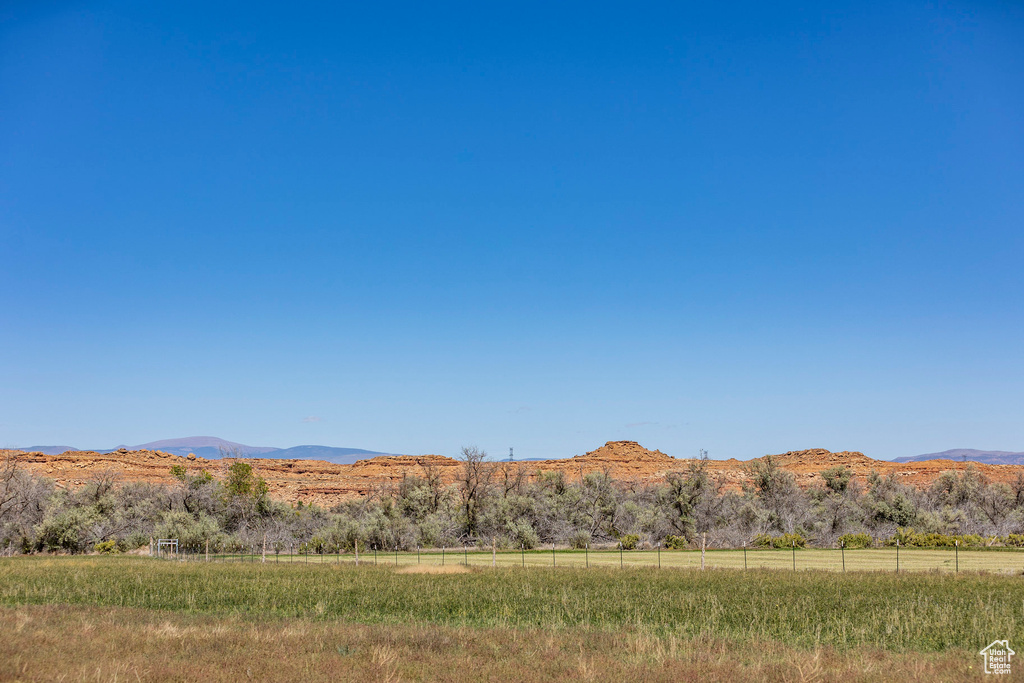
(907, 612)
(82, 643)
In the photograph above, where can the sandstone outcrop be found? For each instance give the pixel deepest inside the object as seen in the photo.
(328, 484)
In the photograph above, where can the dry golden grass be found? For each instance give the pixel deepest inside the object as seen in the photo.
(1008, 561)
(102, 618)
(64, 643)
(434, 569)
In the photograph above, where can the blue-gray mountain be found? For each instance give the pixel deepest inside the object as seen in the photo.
(211, 447)
(969, 454)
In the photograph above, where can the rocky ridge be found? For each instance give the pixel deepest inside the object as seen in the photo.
(328, 483)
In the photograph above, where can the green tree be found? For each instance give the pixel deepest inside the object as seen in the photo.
(474, 485)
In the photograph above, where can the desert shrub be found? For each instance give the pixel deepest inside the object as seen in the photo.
(783, 541)
(913, 539)
(629, 541)
(837, 478)
(855, 541)
(676, 542)
(340, 536)
(314, 546)
(224, 543)
(1016, 540)
(106, 547)
(136, 539)
(234, 513)
(522, 534)
(382, 528)
(579, 540)
(68, 529)
(188, 529)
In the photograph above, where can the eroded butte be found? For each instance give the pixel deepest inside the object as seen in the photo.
(324, 483)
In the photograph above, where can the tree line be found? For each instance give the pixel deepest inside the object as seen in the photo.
(513, 506)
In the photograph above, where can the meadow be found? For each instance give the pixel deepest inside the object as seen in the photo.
(413, 621)
(997, 560)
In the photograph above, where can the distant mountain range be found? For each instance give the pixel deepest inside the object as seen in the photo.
(964, 454)
(211, 448)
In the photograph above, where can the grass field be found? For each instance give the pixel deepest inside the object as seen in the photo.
(1000, 560)
(371, 623)
(59, 643)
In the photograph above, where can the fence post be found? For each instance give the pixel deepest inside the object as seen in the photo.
(842, 549)
(703, 547)
(494, 553)
(794, 555)
(264, 560)
(465, 555)
(744, 557)
(552, 554)
(417, 553)
(442, 556)
(956, 551)
(357, 552)
(659, 554)
(396, 555)
(522, 552)
(620, 554)
(586, 553)
(897, 556)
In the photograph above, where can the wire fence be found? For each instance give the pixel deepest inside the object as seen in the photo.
(892, 559)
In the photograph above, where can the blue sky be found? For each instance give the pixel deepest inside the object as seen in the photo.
(410, 227)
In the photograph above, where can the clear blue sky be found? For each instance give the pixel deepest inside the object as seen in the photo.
(748, 228)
